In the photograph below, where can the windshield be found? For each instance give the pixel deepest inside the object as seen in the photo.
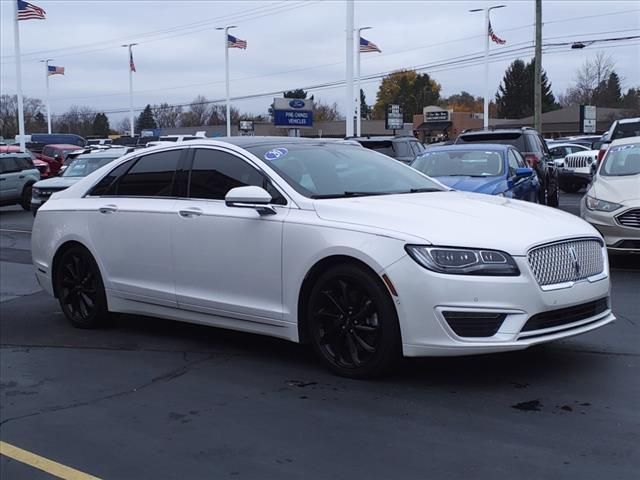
(326, 170)
(81, 167)
(467, 163)
(622, 160)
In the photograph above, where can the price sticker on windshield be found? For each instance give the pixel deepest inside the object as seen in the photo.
(275, 154)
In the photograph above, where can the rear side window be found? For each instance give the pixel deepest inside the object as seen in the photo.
(151, 176)
(15, 163)
(106, 186)
(215, 172)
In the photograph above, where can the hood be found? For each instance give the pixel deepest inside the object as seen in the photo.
(458, 219)
(616, 189)
(472, 184)
(57, 182)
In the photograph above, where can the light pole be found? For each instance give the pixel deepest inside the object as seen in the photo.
(46, 76)
(226, 73)
(349, 72)
(486, 60)
(359, 98)
(131, 69)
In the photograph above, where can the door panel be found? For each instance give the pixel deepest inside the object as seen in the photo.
(228, 260)
(132, 238)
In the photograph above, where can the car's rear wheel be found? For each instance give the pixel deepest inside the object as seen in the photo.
(353, 323)
(79, 288)
(25, 198)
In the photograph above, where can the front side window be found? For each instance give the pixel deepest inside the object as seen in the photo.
(622, 160)
(151, 176)
(330, 170)
(215, 172)
(513, 163)
(460, 163)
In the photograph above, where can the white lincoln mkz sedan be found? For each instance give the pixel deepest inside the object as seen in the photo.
(320, 242)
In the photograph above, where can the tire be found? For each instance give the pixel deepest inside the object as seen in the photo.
(25, 198)
(352, 323)
(553, 199)
(80, 290)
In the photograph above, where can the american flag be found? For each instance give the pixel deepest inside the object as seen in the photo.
(132, 65)
(51, 70)
(233, 42)
(367, 46)
(494, 37)
(28, 11)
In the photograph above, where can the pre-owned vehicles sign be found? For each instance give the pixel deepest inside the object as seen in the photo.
(292, 112)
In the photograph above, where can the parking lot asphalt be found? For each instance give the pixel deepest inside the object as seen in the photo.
(149, 398)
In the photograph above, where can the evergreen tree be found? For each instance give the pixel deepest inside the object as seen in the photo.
(365, 110)
(101, 126)
(297, 93)
(631, 101)
(608, 92)
(146, 120)
(515, 94)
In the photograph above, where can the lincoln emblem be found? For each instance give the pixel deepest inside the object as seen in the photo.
(576, 263)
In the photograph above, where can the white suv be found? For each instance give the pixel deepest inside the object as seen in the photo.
(17, 176)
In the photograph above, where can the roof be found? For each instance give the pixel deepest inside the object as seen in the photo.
(9, 149)
(63, 146)
(497, 131)
(626, 141)
(470, 147)
(382, 138)
(249, 141)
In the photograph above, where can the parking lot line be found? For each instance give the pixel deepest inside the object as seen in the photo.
(36, 461)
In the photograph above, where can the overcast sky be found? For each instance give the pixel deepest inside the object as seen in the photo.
(290, 44)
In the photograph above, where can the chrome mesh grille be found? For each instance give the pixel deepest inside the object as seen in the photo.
(630, 218)
(566, 261)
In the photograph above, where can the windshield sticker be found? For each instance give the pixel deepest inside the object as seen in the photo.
(622, 147)
(275, 154)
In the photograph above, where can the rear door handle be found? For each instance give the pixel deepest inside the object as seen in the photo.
(190, 212)
(108, 209)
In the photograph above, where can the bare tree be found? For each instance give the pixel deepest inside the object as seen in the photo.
(167, 116)
(588, 78)
(324, 112)
(124, 126)
(8, 115)
(198, 113)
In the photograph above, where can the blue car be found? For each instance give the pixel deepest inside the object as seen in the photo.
(481, 168)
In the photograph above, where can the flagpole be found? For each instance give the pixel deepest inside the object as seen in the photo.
(349, 72)
(358, 88)
(16, 31)
(226, 74)
(132, 131)
(226, 80)
(487, 92)
(485, 110)
(46, 74)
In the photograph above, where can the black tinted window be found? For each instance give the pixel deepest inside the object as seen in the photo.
(106, 186)
(515, 139)
(214, 173)
(151, 176)
(15, 163)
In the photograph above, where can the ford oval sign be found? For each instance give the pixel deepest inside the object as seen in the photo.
(296, 103)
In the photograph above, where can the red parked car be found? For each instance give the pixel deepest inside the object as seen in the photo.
(55, 154)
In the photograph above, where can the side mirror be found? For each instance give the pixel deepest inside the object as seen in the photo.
(523, 172)
(250, 197)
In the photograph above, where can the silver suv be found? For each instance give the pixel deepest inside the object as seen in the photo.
(17, 176)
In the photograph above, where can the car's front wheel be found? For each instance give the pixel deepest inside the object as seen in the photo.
(25, 199)
(353, 323)
(79, 288)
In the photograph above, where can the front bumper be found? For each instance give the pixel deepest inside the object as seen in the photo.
(618, 238)
(424, 296)
(574, 176)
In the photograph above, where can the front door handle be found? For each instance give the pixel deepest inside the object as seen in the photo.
(190, 212)
(108, 209)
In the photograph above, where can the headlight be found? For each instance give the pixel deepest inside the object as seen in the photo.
(601, 205)
(35, 192)
(463, 261)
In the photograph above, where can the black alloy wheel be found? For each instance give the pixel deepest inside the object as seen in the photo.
(353, 322)
(79, 289)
